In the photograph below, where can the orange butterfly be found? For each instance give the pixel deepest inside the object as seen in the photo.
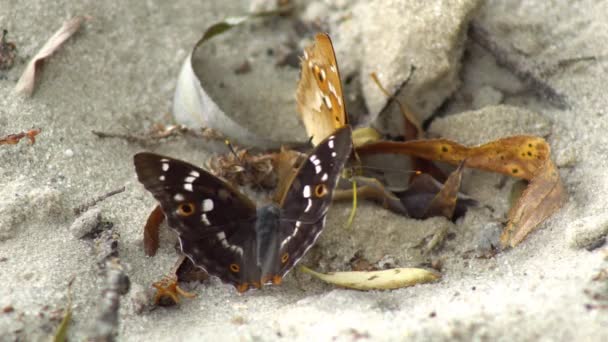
(319, 94)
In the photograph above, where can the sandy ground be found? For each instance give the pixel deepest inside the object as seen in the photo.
(118, 74)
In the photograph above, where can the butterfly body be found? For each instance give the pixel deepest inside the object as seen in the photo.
(221, 230)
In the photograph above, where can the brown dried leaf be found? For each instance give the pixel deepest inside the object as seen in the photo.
(26, 83)
(13, 139)
(525, 157)
(444, 202)
(518, 156)
(543, 196)
(422, 191)
(152, 229)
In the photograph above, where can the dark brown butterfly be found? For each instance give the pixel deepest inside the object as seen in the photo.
(221, 230)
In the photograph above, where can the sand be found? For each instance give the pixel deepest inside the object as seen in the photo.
(118, 74)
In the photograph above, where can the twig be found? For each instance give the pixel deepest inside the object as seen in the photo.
(117, 283)
(161, 132)
(507, 59)
(87, 205)
(13, 139)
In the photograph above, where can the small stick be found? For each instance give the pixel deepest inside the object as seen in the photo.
(13, 139)
(117, 284)
(506, 59)
(87, 205)
(162, 132)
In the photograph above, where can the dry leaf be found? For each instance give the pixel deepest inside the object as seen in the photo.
(445, 201)
(26, 83)
(525, 157)
(152, 229)
(543, 196)
(377, 280)
(518, 156)
(13, 139)
(422, 191)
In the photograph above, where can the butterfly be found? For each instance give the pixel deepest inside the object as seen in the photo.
(319, 95)
(221, 231)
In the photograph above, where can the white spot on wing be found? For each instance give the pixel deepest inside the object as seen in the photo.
(189, 179)
(326, 101)
(333, 68)
(324, 177)
(164, 160)
(188, 186)
(331, 143)
(333, 154)
(285, 241)
(305, 55)
(306, 191)
(207, 205)
(221, 235)
(308, 205)
(194, 173)
(165, 167)
(205, 220)
(161, 178)
(318, 169)
(178, 197)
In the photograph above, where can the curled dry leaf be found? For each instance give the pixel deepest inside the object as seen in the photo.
(525, 157)
(152, 230)
(377, 280)
(13, 139)
(27, 81)
(543, 196)
(518, 156)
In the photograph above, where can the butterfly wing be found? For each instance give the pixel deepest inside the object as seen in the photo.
(319, 95)
(215, 223)
(303, 210)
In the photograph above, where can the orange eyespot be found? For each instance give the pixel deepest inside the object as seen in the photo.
(235, 268)
(285, 257)
(320, 190)
(185, 209)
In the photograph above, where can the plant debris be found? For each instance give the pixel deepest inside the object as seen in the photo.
(377, 280)
(160, 132)
(152, 230)
(525, 157)
(7, 52)
(61, 334)
(241, 168)
(168, 291)
(87, 205)
(13, 139)
(27, 81)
